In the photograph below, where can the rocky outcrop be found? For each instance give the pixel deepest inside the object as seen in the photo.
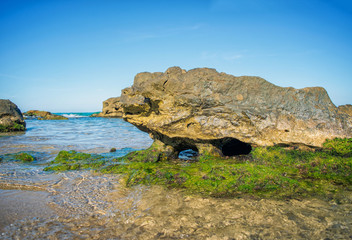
(347, 109)
(208, 111)
(111, 108)
(43, 115)
(11, 119)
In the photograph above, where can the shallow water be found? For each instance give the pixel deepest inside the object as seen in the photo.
(81, 134)
(87, 205)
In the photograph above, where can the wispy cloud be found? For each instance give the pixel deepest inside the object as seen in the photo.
(237, 55)
(160, 32)
(233, 57)
(288, 52)
(247, 5)
(135, 37)
(227, 56)
(15, 78)
(208, 55)
(11, 77)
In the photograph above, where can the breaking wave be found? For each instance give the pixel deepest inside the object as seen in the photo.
(76, 115)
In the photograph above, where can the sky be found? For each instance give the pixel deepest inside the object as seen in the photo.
(71, 55)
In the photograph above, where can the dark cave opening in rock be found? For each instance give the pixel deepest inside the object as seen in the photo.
(233, 147)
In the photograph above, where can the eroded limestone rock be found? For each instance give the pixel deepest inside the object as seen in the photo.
(208, 111)
(346, 109)
(111, 108)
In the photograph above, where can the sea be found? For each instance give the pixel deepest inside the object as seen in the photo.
(35, 204)
(80, 132)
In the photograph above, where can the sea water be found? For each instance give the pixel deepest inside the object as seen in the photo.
(35, 204)
(80, 132)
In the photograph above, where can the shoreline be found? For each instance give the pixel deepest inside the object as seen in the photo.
(89, 204)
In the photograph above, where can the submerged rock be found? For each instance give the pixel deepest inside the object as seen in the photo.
(43, 115)
(111, 108)
(207, 111)
(11, 118)
(20, 156)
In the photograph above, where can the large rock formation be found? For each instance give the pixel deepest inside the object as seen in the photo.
(11, 118)
(346, 109)
(44, 115)
(205, 110)
(111, 108)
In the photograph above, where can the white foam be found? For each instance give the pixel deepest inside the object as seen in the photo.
(71, 115)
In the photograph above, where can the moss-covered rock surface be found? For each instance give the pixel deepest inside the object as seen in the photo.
(25, 157)
(13, 127)
(72, 160)
(273, 172)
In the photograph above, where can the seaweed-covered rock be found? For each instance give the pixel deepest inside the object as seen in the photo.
(111, 108)
(208, 111)
(11, 119)
(43, 115)
(25, 157)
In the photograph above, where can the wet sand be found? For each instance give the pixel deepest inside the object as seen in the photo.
(87, 205)
(20, 204)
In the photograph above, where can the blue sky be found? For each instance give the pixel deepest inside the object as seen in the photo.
(70, 55)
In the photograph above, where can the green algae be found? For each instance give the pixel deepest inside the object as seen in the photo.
(20, 156)
(72, 160)
(272, 172)
(24, 157)
(267, 172)
(339, 146)
(15, 127)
